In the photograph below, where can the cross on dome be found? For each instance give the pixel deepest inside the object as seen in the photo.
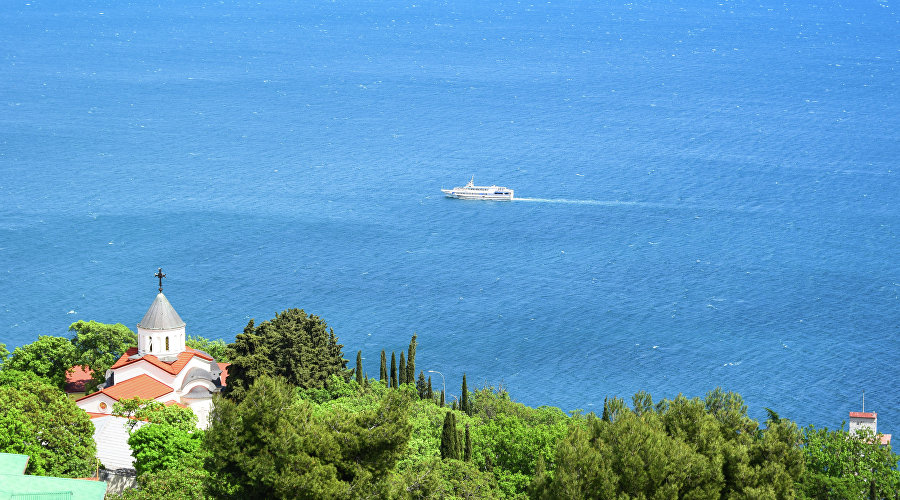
(159, 274)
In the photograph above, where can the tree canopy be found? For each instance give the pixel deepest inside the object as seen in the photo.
(215, 348)
(38, 420)
(295, 346)
(47, 357)
(98, 346)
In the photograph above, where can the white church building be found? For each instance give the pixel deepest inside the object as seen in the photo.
(160, 368)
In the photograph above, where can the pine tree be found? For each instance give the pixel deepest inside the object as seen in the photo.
(429, 393)
(359, 373)
(467, 454)
(420, 385)
(449, 437)
(605, 416)
(383, 376)
(294, 345)
(393, 370)
(411, 360)
(464, 400)
(443, 401)
(402, 374)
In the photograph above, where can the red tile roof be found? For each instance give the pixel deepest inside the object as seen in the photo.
(173, 367)
(143, 386)
(859, 414)
(77, 377)
(96, 415)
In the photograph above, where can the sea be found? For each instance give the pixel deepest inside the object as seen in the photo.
(707, 190)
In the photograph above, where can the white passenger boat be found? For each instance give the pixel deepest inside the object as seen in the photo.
(472, 192)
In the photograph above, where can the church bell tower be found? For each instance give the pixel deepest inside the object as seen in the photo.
(161, 332)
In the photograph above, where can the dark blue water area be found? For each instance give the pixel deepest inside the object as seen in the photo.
(709, 190)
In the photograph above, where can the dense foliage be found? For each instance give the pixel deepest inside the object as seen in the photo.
(293, 345)
(840, 466)
(47, 357)
(295, 424)
(98, 346)
(218, 349)
(38, 420)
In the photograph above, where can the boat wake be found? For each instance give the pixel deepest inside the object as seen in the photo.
(642, 204)
(595, 202)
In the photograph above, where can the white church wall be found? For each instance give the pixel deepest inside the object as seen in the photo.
(201, 408)
(154, 341)
(97, 403)
(141, 367)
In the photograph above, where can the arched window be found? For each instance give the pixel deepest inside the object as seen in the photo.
(150, 344)
(167, 343)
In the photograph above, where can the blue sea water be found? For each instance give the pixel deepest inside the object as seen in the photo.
(711, 187)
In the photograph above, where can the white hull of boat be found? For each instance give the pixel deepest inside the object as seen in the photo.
(472, 192)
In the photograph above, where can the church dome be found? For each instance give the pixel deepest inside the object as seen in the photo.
(161, 316)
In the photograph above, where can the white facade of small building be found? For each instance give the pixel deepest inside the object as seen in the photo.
(861, 420)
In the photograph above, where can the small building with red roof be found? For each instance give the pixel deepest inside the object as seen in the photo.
(867, 420)
(161, 368)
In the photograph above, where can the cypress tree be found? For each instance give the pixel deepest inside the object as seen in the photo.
(467, 454)
(383, 376)
(420, 385)
(359, 373)
(464, 400)
(411, 360)
(402, 374)
(605, 416)
(449, 437)
(453, 405)
(429, 393)
(443, 402)
(393, 370)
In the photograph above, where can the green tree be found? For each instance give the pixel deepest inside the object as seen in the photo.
(464, 397)
(383, 374)
(136, 410)
(180, 482)
(402, 373)
(288, 448)
(16, 378)
(467, 454)
(293, 345)
(411, 360)
(99, 346)
(844, 466)
(421, 388)
(40, 421)
(268, 445)
(370, 440)
(429, 392)
(394, 383)
(360, 379)
(450, 437)
(157, 447)
(4, 353)
(218, 349)
(47, 357)
(434, 478)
